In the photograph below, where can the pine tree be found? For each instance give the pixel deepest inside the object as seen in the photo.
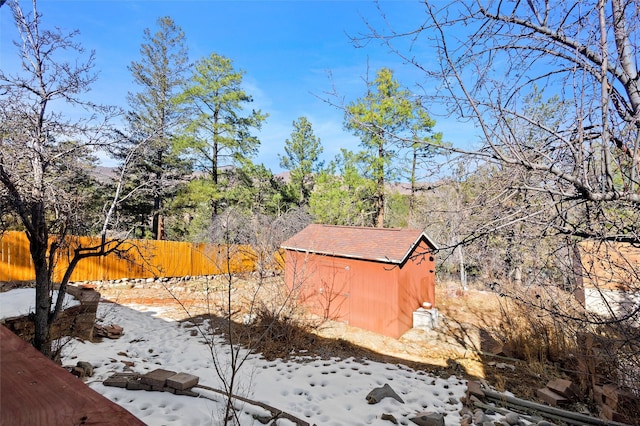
(154, 119)
(301, 159)
(218, 136)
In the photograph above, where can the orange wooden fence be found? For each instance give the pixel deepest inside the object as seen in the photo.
(142, 259)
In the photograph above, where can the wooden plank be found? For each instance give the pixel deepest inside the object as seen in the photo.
(36, 391)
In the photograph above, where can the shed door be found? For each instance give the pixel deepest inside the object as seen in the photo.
(334, 291)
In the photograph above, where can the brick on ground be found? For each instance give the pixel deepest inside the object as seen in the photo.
(137, 385)
(615, 397)
(610, 414)
(182, 381)
(564, 388)
(550, 397)
(186, 392)
(157, 378)
(120, 380)
(598, 394)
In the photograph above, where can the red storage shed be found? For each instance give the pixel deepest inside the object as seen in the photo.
(372, 278)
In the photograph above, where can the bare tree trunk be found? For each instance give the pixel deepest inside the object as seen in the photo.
(41, 339)
(463, 271)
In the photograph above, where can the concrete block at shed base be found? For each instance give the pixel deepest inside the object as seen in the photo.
(157, 377)
(425, 319)
(182, 381)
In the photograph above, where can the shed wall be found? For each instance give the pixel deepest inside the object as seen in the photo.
(416, 284)
(375, 296)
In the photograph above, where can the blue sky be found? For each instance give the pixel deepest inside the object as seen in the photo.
(292, 52)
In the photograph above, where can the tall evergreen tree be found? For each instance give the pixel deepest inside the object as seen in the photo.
(301, 159)
(218, 135)
(382, 119)
(154, 118)
(343, 196)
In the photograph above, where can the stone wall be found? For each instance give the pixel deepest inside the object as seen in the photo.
(76, 321)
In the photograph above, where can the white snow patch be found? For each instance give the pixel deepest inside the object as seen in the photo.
(22, 301)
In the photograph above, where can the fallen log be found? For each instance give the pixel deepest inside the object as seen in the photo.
(276, 413)
(503, 411)
(567, 416)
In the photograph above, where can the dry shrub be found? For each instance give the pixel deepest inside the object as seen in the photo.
(278, 334)
(535, 325)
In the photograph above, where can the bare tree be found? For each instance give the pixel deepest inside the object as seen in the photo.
(43, 150)
(569, 173)
(493, 56)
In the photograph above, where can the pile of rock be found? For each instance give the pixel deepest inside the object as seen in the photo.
(81, 370)
(559, 392)
(600, 366)
(611, 399)
(482, 402)
(159, 380)
(111, 331)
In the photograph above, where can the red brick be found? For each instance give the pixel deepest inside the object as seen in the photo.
(609, 413)
(598, 394)
(616, 398)
(550, 397)
(565, 388)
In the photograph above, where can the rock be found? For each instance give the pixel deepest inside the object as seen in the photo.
(262, 419)
(545, 423)
(86, 367)
(466, 420)
(474, 388)
(109, 331)
(465, 411)
(78, 372)
(479, 417)
(511, 418)
(428, 419)
(503, 365)
(378, 394)
(390, 418)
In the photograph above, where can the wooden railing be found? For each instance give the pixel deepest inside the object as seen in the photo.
(137, 259)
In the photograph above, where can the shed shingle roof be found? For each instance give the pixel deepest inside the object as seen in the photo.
(391, 245)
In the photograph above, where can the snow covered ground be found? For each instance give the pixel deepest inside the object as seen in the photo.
(21, 301)
(319, 391)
